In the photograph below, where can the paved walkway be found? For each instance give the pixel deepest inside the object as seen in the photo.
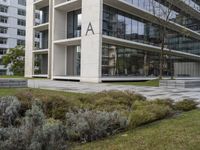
(149, 92)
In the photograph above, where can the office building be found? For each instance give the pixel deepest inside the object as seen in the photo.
(112, 40)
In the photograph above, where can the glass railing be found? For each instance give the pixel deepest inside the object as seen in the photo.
(192, 4)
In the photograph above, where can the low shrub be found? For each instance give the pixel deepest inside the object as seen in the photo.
(166, 102)
(52, 136)
(111, 100)
(185, 105)
(87, 125)
(35, 133)
(9, 110)
(26, 98)
(53, 106)
(147, 112)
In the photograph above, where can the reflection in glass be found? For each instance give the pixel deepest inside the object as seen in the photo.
(125, 26)
(41, 64)
(74, 19)
(122, 61)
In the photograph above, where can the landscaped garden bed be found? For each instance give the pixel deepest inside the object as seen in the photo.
(42, 119)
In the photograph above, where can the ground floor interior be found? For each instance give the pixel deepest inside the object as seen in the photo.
(117, 63)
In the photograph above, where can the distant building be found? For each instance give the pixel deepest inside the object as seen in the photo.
(106, 40)
(12, 27)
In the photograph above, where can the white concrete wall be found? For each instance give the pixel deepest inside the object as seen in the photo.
(59, 60)
(60, 18)
(29, 39)
(91, 44)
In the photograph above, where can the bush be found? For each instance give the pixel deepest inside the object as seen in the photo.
(9, 110)
(166, 102)
(13, 138)
(56, 106)
(186, 105)
(111, 100)
(35, 133)
(52, 136)
(53, 106)
(91, 125)
(26, 98)
(147, 112)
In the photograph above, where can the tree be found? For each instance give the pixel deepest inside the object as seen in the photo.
(15, 60)
(163, 11)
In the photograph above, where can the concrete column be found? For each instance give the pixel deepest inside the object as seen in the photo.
(29, 39)
(91, 43)
(50, 39)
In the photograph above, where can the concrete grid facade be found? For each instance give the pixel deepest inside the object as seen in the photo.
(104, 40)
(12, 27)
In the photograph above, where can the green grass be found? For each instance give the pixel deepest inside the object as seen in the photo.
(36, 92)
(179, 133)
(6, 76)
(153, 83)
(9, 91)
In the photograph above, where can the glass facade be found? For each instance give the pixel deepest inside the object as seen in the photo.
(119, 24)
(123, 61)
(118, 61)
(73, 60)
(41, 64)
(74, 24)
(43, 15)
(161, 8)
(41, 42)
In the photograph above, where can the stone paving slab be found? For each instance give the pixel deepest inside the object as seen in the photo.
(149, 92)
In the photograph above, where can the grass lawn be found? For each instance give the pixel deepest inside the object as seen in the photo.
(6, 76)
(9, 91)
(36, 92)
(154, 83)
(179, 133)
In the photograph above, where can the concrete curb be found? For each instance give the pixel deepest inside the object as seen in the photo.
(13, 83)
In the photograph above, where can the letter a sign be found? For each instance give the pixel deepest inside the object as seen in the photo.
(89, 29)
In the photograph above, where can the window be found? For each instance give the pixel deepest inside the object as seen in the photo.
(37, 16)
(20, 42)
(3, 51)
(21, 12)
(3, 9)
(74, 24)
(41, 64)
(41, 40)
(3, 41)
(2, 72)
(22, 2)
(37, 35)
(3, 19)
(21, 32)
(37, 45)
(3, 30)
(21, 22)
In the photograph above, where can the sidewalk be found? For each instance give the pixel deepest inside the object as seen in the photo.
(149, 92)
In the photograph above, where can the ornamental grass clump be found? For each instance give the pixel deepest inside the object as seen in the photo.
(87, 125)
(111, 101)
(147, 112)
(185, 105)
